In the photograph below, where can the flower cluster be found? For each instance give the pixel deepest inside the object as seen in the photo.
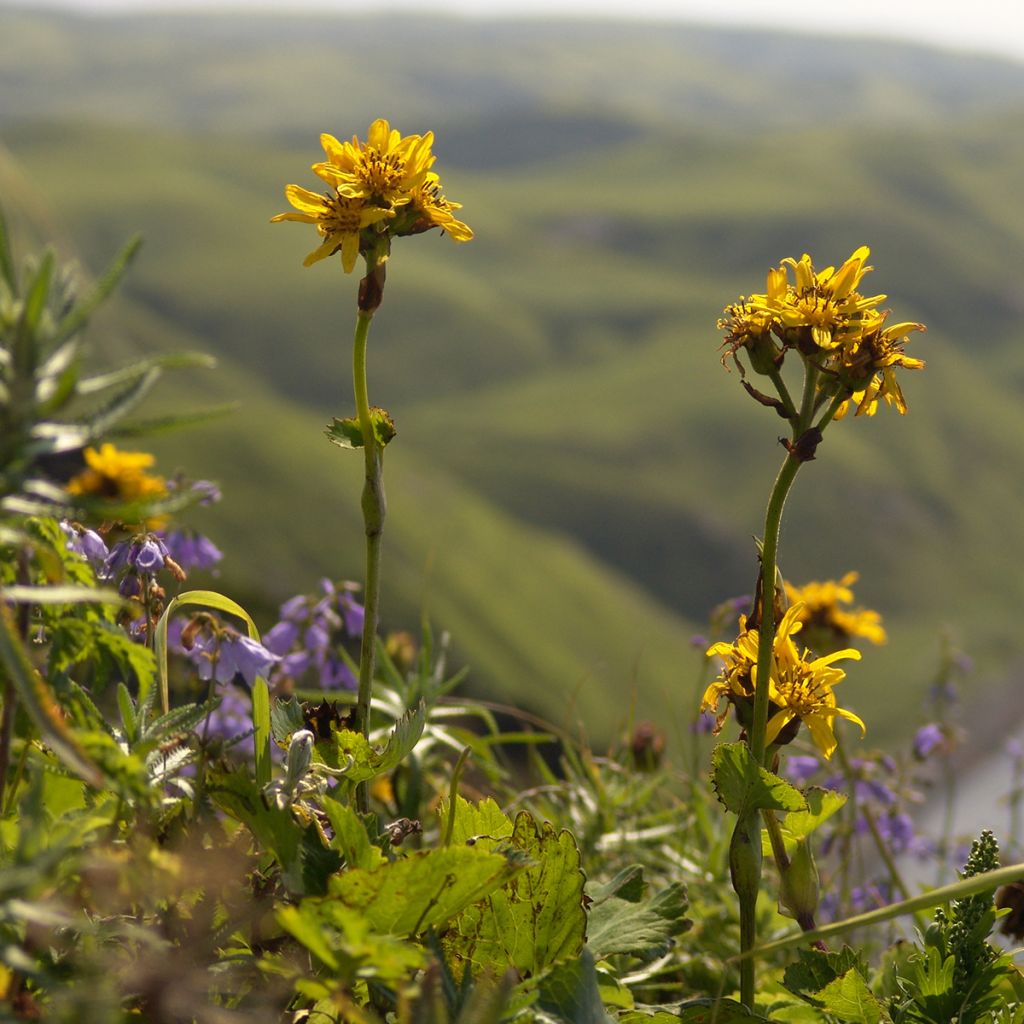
(800, 689)
(313, 633)
(839, 331)
(828, 618)
(378, 189)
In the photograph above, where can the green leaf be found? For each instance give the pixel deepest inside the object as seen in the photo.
(345, 942)
(534, 921)
(814, 970)
(177, 421)
(351, 838)
(6, 257)
(425, 889)
(26, 348)
(62, 595)
(346, 433)
(261, 731)
(367, 760)
(475, 821)
(286, 717)
(628, 885)
(643, 930)
(743, 786)
(716, 1011)
(202, 599)
(797, 825)
(134, 371)
(39, 701)
(305, 863)
(129, 719)
(850, 999)
(79, 314)
(570, 993)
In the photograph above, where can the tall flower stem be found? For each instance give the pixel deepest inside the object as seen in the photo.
(373, 503)
(766, 625)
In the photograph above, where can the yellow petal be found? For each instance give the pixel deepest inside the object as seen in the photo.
(304, 200)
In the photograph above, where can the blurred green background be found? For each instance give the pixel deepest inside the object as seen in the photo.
(576, 479)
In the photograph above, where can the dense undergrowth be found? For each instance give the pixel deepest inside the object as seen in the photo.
(203, 822)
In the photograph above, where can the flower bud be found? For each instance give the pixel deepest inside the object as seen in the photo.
(800, 885)
(745, 857)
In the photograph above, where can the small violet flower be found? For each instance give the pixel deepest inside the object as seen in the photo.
(927, 740)
(222, 658)
(87, 543)
(192, 550)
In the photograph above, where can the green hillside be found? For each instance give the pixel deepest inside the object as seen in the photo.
(576, 478)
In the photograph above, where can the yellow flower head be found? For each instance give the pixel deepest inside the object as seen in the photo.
(823, 315)
(379, 189)
(339, 220)
(383, 170)
(121, 476)
(869, 362)
(827, 615)
(800, 689)
(112, 473)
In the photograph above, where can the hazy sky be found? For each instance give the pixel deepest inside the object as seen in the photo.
(993, 26)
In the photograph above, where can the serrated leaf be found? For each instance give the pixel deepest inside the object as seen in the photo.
(570, 993)
(425, 889)
(797, 825)
(286, 718)
(347, 433)
(743, 786)
(643, 930)
(815, 969)
(850, 999)
(474, 822)
(534, 921)
(367, 760)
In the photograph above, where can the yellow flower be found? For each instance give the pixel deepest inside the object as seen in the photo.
(799, 689)
(822, 314)
(827, 616)
(435, 211)
(378, 189)
(871, 360)
(111, 473)
(384, 170)
(120, 476)
(339, 221)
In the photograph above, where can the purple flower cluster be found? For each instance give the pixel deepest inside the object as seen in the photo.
(312, 633)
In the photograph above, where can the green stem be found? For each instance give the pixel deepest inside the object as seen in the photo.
(780, 386)
(374, 510)
(766, 625)
(927, 900)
